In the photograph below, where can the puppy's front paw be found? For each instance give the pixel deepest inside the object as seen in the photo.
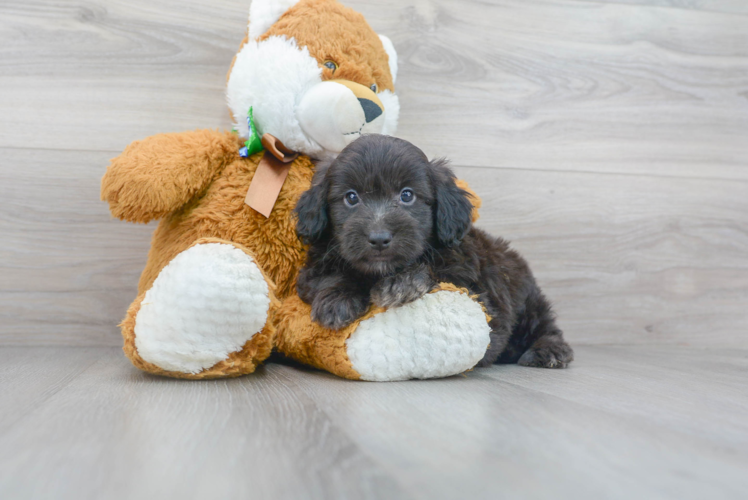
(403, 288)
(551, 355)
(338, 310)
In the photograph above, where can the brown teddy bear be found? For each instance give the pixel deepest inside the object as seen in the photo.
(218, 291)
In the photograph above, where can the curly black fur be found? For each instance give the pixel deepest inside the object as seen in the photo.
(390, 249)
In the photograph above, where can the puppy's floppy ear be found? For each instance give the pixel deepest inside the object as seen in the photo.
(452, 208)
(311, 208)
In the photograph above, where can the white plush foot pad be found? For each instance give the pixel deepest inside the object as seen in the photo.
(439, 335)
(205, 304)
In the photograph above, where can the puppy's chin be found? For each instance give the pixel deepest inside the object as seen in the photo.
(376, 265)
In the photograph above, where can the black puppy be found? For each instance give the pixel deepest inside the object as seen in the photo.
(386, 225)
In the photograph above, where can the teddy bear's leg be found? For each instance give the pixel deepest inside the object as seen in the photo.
(444, 333)
(205, 316)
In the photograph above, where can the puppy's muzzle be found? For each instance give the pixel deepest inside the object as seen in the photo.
(337, 112)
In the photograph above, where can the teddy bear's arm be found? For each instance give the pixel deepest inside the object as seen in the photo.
(161, 173)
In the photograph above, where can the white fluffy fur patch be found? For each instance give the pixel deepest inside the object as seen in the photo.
(391, 54)
(205, 304)
(441, 334)
(391, 111)
(271, 77)
(264, 13)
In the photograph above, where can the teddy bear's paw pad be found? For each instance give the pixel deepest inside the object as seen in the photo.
(441, 334)
(205, 304)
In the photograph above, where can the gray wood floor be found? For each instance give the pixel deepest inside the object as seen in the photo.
(624, 422)
(609, 141)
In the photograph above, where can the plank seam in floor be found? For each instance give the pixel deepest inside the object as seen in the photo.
(47, 395)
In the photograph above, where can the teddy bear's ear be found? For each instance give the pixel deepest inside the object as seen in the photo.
(264, 13)
(390, 49)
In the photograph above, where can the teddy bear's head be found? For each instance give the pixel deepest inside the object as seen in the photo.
(316, 75)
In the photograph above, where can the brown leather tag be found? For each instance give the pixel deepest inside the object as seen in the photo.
(267, 182)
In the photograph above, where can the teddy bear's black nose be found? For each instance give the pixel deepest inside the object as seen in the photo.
(380, 239)
(371, 109)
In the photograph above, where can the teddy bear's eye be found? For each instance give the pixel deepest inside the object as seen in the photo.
(374, 87)
(331, 65)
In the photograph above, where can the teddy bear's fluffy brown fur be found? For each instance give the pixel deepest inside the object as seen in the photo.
(205, 201)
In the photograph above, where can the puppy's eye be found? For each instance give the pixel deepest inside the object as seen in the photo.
(374, 87)
(407, 196)
(331, 65)
(351, 198)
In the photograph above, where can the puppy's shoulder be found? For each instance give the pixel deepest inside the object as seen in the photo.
(480, 241)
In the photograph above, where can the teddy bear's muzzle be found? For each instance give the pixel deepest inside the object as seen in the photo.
(336, 112)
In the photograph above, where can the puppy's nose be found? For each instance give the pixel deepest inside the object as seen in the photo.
(380, 239)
